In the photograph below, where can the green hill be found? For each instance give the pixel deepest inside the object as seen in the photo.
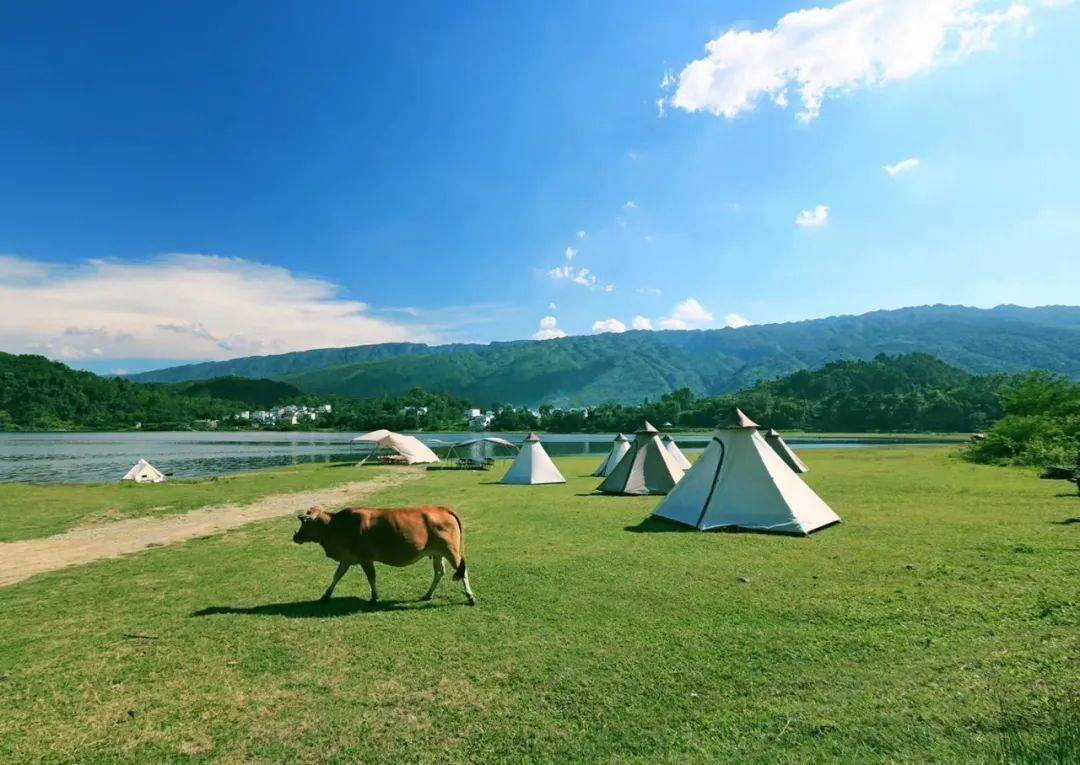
(629, 367)
(260, 393)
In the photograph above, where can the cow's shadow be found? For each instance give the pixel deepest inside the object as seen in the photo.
(320, 609)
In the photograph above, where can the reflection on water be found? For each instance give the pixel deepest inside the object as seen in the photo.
(91, 457)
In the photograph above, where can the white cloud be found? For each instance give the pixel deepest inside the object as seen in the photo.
(689, 314)
(902, 166)
(669, 81)
(648, 239)
(581, 234)
(551, 306)
(630, 205)
(640, 322)
(649, 291)
(736, 321)
(549, 329)
(819, 216)
(179, 306)
(817, 52)
(661, 107)
(581, 276)
(608, 325)
(570, 253)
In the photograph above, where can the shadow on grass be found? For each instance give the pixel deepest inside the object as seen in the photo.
(1066, 522)
(654, 525)
(318, 609)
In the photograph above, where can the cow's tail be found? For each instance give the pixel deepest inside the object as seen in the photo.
(459, 572)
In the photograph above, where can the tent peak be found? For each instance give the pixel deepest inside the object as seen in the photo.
(736, 418)
(532, 436)
(772, 433)
(648, 427)
(622, 437)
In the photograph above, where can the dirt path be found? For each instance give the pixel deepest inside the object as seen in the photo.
(22, 560)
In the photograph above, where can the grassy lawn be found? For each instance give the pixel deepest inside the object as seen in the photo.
(938, 623)
(29, 511)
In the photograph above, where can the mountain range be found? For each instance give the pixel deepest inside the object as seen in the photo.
(631, 366)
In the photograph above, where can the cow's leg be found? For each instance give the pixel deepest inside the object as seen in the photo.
(341, 570)
(438, 562)
(461, 572)
(369, 569)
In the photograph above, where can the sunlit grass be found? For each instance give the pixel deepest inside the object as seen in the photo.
(937, 623)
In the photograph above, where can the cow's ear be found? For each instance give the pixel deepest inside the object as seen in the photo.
(316, 510)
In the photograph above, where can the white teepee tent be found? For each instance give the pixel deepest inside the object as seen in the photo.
(740, 482)
(646, 468)
(776, 441)
(676, 452)
(533, 465)
(144, 472)
(619, 447)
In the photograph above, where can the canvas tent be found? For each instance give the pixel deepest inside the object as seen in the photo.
(646, 468)
(533, 465)
(619, 447)
(478, 452)
(411, 449)
(676, 452)
(740, 482)
(773, 439)
(144, 472)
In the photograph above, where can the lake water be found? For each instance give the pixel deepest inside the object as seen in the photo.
(92, 457)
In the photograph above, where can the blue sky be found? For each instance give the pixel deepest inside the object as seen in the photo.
(185, 182)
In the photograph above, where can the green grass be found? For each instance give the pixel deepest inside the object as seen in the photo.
(29, 511)
(937, 623)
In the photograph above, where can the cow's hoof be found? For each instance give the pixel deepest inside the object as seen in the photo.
(427, 597)
(472, 601)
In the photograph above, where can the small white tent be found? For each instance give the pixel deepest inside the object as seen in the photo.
(533, 465)
(676, 452)
(646, 468)
(619, 447)
(144, 472)
(740, 482)
(776, 441)
(412, 449)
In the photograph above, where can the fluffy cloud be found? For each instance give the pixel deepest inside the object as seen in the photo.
(570, 253)
(640, 322)
(178, 306)
(551, 306)
(630, 205)
(820, 51)
(735, 321)
(689, 314)
(819, 216)
(902, 166)
(608, 325)
(549, 329)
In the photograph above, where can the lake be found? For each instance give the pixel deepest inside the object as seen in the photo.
(92, 457)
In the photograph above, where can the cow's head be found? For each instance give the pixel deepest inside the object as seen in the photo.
(311, 521)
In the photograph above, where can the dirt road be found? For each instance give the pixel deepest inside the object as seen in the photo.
(22, 560)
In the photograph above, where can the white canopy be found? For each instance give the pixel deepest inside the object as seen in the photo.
(619, 447)
(676, 452)
(776, 441)
(740, 482)
(411, 448)
(646, 468)
(144, 472)
(533, 465)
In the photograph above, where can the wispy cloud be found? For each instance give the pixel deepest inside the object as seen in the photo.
(581, 234)
(902, 166)
(580, 276)
(180, 306)
(630, 205)
(817, 52)
(819, 216)
(641, 322)
(570, 253)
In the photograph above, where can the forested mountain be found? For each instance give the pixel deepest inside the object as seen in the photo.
(39, 394)
(632, 366)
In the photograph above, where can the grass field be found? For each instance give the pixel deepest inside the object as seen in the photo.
(29, 511)
(937, 623)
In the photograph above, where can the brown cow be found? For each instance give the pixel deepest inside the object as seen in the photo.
(397, 537)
